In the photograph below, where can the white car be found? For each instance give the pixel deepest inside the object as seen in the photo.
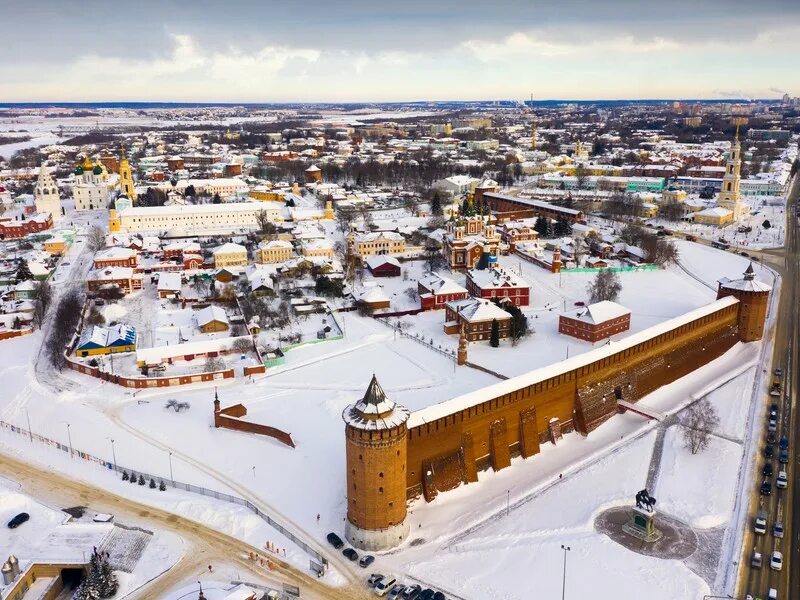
(776, 561)
(384, 585)
(782, 481)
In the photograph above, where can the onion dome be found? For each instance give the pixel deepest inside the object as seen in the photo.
(78, 170)
(97, 170)
(87, 163)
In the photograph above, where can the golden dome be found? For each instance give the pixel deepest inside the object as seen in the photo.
(87, 163)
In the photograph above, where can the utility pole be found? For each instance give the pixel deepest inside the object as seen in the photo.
(113, 453)
(170, 468)
(508, 502)
(28, 417)
(564, 578)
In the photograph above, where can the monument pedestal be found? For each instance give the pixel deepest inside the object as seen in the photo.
(642, 525)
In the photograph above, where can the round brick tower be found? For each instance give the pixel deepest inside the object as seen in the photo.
(753, 299)
(377, 440)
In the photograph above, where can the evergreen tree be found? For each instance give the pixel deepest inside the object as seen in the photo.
(518, 327)
(23, 271)
(494, 336)
(108, 583)
(766, 224)
(125, 476)
(562, 228)
(436, 204)
(483, 262)
(133, 477)
(141, 479)
(152, 483)
(542, 227)
(162, 486)
(216, 199)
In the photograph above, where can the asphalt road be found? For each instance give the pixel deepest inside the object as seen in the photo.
(780, 505)
(204, 545)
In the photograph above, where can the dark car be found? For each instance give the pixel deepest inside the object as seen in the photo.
(767, 470)
(778, 372)
(18, 520)
(335, 541)
(412, 592)
(783, 457)
(769, 451)
(350, 554)
(771, 437)
(439, 596)
(426, 594)
(744, 254)
(766, 488)
(784, 443)
(773, 408)
(366, 561)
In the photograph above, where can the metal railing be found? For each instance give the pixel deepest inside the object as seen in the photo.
(188, 487)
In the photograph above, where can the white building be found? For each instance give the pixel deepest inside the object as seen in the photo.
(91, 187)
(231, 217)
(46, 195)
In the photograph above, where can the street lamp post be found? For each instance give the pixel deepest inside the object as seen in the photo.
(113, 453)
(564, 577)
(69, 437)
(508, 502)
(170, 469)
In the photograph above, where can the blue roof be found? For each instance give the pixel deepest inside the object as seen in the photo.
(106, 337)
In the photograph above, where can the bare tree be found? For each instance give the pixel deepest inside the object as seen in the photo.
(213, 364)
(699, 422)
(581, 175)
(65, 323)
(265, 226)
(176, 405)
(96, 238)
(606, 286)
(44, 298)
(242, 345)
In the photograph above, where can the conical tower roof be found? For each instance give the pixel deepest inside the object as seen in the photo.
(375, 410)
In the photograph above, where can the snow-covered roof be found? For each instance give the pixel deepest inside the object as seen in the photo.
(375, 410)
(748, 283)
(375, 261)
(115, 253)
(496, 277)
(436, 411)
(438, 284)
(103, 337)
(158, 354)
(374, 236)
(209, 314)
(169, 281)
(599, 312)
(474, 310)
(229, 248)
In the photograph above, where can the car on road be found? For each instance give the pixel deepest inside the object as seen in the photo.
(783, 457)
(373, 579)
(580, 303)
(777, 529)
(350, 554)
(778, 372)
(756, 560)
(767, 471)
(769, 451)
(776, 561)
(784, 443)
(772, 426)
(384, 585)
(782, 481)
(366, 561)
(412, 592)
(766, 488)
(396, 592)
(771, 437)
(18, 520)
(760, 523)
(335, 541)
(691, 238)
(773, 412)
(772, 594)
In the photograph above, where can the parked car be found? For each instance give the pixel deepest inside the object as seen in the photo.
(755, 560)
(350, 554)
(760, 523)
(777, 529)
(771, 437)
(335, 541)
(412, 592)
(773, 425)
(373, 579)
(366, 561)
(427, 594)
(784, 443)
(766, 488)
(440, 595)
(782, 481)
(384, 585)
(18, 520)
(396, 592)
(767, 471)
(769, 451)
(580, 303)
(783, 457)
(691, 238)
(776, 561)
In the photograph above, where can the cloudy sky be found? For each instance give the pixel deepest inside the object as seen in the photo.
(379, 50)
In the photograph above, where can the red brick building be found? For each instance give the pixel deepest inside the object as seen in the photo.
(496, 282)
(595, 322)
(116, 257)
(475, 316)
(122, 277)
(14, 229)
(435, 291)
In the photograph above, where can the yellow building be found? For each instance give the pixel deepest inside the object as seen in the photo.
(730, 197)
(230, 255)
(673, 195)
(97, 340)
(265, 194)
(376, 243)
(126, 177)
(274, 251)
(716, 216)
(55, 245)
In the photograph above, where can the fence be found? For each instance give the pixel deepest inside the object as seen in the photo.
(647, 267)
(412, 336)
(188, 487)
